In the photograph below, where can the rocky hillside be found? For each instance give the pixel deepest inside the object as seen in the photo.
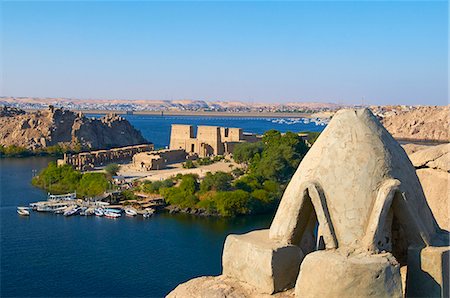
(421, 123)
(51, 127)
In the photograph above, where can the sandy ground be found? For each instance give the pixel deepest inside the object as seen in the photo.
(129, 172)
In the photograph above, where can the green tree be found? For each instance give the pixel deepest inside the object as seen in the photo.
(232, 203)
(189, 184)
(92, 184)
(219, 181)
(112, 169)
(244, 152)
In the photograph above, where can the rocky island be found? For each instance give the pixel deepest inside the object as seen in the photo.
(58, 127)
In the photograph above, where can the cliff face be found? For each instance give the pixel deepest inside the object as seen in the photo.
(424, 123)
(51, 127)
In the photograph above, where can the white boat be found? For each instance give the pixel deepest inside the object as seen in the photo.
(112, 214)
(71, 211)
(130, 212)
(89, 212)
(44, 209)
(23, 211)
(99, 212)
(148, 213)
(59, 210)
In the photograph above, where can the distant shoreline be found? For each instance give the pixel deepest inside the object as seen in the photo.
(198, 113)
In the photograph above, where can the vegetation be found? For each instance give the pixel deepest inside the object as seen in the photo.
(312, 136)
(56, 150)
(189, 164)
(64, 179)
(14, 151)
(112, 169)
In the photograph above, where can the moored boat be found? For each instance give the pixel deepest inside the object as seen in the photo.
(112, 214)
(99, 212)
(148, 213)
(71, 211)
(23, 211)
(130, 212)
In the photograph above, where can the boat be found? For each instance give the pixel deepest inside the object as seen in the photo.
(60, 210)
(99, 212)
(89, 211)
(71, 211)
(148, 213)
(43, 208)
(130, 212)
(112, 214)
(23, 211)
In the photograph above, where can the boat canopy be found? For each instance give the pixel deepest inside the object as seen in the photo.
(66, 197)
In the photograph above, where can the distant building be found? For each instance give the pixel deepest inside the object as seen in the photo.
(158, 160)
(209, 141)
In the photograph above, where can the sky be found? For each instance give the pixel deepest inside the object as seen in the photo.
(349, 52)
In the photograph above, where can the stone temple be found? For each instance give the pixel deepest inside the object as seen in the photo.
(209, 141)
(351, 223)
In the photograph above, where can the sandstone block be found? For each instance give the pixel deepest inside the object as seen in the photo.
(428, 272)
(334, 274)
(265, 264)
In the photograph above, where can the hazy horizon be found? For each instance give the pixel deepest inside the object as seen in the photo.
(253, 52)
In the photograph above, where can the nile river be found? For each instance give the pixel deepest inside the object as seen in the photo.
(52, 255)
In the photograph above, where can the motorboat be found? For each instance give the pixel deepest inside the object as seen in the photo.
(23, 211)
(130, 212)
(60, 210)
(99, 212)
(148, 213)
(89, 211)
(43, 208)
(71, 211)
(112, 214)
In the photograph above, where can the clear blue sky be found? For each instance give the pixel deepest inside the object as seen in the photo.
(390, 52)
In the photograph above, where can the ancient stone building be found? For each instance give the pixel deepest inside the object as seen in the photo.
(157, 160)
(88, 160)
(352, 222)
(209, 141)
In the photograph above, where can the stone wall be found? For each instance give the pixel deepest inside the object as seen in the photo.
(157, 160)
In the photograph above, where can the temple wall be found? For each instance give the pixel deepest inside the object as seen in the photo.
(85, 160)
(210, 140)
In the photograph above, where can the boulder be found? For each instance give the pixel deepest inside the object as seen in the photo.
(267, 265)
(335, 274)
(221, 287)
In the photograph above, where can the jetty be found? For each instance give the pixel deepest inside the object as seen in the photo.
(69, 205)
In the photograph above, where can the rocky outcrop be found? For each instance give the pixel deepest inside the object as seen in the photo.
(422, 123)
(40, 129)
(433, 169)
(220, 287)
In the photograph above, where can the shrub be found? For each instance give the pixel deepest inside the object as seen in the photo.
(112, 169)
(232, 203)
(188, 164)
(204, 161)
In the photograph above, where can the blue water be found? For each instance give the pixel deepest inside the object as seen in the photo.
(50, 255)
(156, 129)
